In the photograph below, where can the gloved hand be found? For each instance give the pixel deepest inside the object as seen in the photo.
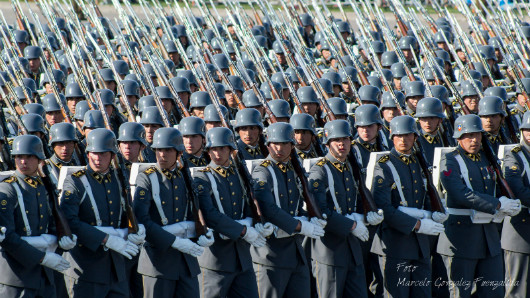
(188, 247)
(509, 207)
(264, 229)
(2, 233)
(373, 218)
(121, 246)
(430, 227)
(361, 231)
(67, 243)
(207, 239)
(311, 230)
(254, 237)
(175, 229)
(246, 221)
(427, 213)
(139, 237)
(319, 222)
(439, 217)
(55, 262)
(301, 218)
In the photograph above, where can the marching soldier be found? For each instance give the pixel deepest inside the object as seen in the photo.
(62, 142)
(429, 113)
(470, 95)
(492, 113)
(305, 136)
(194, 132)
(414, 91)
(471, 244)
(131, 143)
(250, 129)
(151, 121)
(368, 123)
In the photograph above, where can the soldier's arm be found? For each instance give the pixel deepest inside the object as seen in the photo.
(382, 193)
(17, 248)
(216, 220)
(155, 234)
(457, 190)
(513, 171)
(318, 183)
(88, 235)
(263, 187)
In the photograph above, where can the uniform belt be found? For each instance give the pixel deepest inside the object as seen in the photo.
(457, 211)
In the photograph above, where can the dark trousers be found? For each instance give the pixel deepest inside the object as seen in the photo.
(185, 286)
(274, 282)
(517, 276)
(334, 281)
(406, 278)
(83, 289)
(228, 284)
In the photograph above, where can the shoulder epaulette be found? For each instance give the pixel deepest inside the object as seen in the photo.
(321, 162)
(150, 171)
(516, 149)
(10, 179)
(206, 169)
(265, 163)
(384, 158)
(79, 173)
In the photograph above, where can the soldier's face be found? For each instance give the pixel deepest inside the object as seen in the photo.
(526, 136)
(99, 161)
(470, 142)
(340, 148)
(430, 124)
(131, 150)
(64, 150)
(280, 151)
(249, 135)
(390, 113)
(199, 112)
(220, 155)
(368, 133)
(54, 117)
(412, 102)
(211, 124)
(310, 108)
(34, 64)
(150, 131)
(521, 100)
(491, 123)
(303, 139)
(336, 90)
(184, 96)
(346, 87)
(167, 104)
(472, 102)
(71, 102)
(166, 158)
(27, 164)
(397, 84)
(193, 144)
(230, 99)
(404, 143)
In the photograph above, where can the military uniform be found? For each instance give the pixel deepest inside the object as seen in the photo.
(429, 142)
(55, 164)
(147, 155)
(248, 151)
(307, 154)
(195, 161)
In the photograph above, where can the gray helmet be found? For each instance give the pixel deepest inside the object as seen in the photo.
(389, 58)
(277, 47)
(388, 102)
(344, 27)
(181, 84)
(467, 89)
(168, 137)
(20, 92)
(303, 122)
(488, 52)
(131, 88)
(93, 119)
(248, 117)
(369, 93)
(132, 132)
(441, 93)
(338, 106)
(106, 95)
(375, 81)
(307, 94)
(151, 115)
(58, 76)
(431, 73)
(188, 74)
(30, 83)
(402, 125)
(251, 100)
(80, 109)
(219, 90)
(292, 74)
(367, 114)
(398, 70)
(280, 132)
(62, 132)
(50, 102)
(467, 124)
(306, 20)
(495, 42)
(348, 71)
(221, 61)
(525, 124)
(170, 46)
(334, 77)
(35, 108)
(21, 36)
(526, 31)
(107, 74)
(144, 102)
(526, 85)
(336, 129)
(444, 55)
(491, 105)
(429, 107)
(497, 91)
(211, 114)
(405, 42)
(476, 75)
(414, 88)
(191, 126)
(267, 91)
(101, 140)
(122, 68)
(164, 92)
(32, 52)
(200, 99)
(479, 67)
(327, 85)
(28, 145)
(278, 78)
(33, 123)
(220, 137)
(236, 82)
(280, 108)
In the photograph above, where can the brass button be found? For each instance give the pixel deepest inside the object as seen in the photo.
(38, 193)
(485, 187)
(289, 180)
(111, 223)
(470, 178)
(111, 213)
(177, 220)
(349, 209)
(40, 228)
(110, 202)
(231, 183)
(176, 186)
(523, 220)
(336, 192)
(221, 198)
(92, 223)
(347, 179)
(176, 209)
(163, 203)
(416, 201)
(281, 195)
(235, 213)
(41, 216)
(413, 171)
(40, 205)
(108, 190)
(291, 202)
(233, 193)
(347, 189)
(234, 203)
(290, 190)
(176, 198)
(292, 212)
(106, 181)
(416, 191)
(458, 222)
(415, 181)
(27, 211)
(349, 199)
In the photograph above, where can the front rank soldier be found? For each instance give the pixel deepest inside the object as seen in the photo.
(305, 136)
(281, 265)
(92, 203)
(337, 259)
(62, 142)
(193, 132)
(250, 129)
(227, 265)
(430, 116)
(492, 114)
(471, 244)
(162, 202)
(29, 244)
(402, 239)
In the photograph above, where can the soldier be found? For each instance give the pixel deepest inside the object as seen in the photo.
(198, 101)
(194, 132)
(93, 119)
(348, 74)
(414, 91)
(281, 109)
(389, 110)
(250, 129)
(402, 239)
(430, 115)
(73, 94)
(115, 117)
(29, 244)
(281, 266)
(305, 136)
(226, 266)
(53, 110)
(132, 95)
(92, 203)
(492, 113)
(33, 54)
(63, 142)
(250, 99)
(168, 260)
(151, 121)
(131, 142)
(369, 94)
(514, 233)
(368, 123)
(183, 89)
(470, 246)
(211, 116)
(470, 95)
(521, 101)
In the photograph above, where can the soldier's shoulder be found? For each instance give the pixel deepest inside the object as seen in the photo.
(517, 149)
(383, 159)
(322, 162)
(205, 169)
(79, 174)
(10, 179)
(265, 163)
(150, 170)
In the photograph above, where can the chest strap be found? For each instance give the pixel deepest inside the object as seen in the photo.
(155, 193)
(331, 187)
(88, 191)
(20, 199)
(397, 181)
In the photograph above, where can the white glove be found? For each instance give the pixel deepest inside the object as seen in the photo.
(264, 229)
(121, 246)
(430, 227)
(254, 237)
(139, 237)
(319, 222)
(2, 234)
(439, 217)
(426, 213)
(509, 207)
(55, 262)
(373, 218)
(188, 247)
(67, 243)
(361, 231)
(207, 239)
(175, 229)
(246, 221)
(311, 230)
(301, 218)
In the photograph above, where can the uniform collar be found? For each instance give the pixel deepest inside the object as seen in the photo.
(471, 156)
(59, 162)
(404, 158)
(494, 138)
(430, 138)
(372, 147)
(169, 173)
(99, 177)
(222, 170)
(31, 181)
(339, 165)
(283, 166)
